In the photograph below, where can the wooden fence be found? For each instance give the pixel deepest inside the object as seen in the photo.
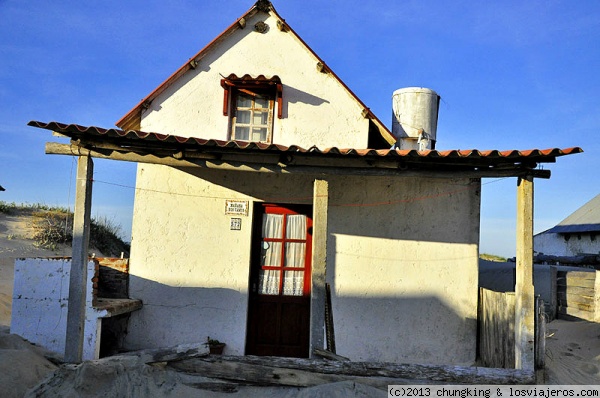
(576, 294)
(497, 330)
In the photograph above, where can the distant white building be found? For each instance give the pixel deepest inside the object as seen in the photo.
(577, 234)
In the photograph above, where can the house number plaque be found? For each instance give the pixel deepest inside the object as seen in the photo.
(236, 224)
(236, 207)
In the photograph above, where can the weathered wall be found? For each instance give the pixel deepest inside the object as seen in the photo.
(41, 301)
(556, 244)
(403, 274)
(317, 110)
(40, 297)
(40, 304)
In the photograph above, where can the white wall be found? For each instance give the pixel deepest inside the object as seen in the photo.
(403, 275)
(40, 297)
(556, 245)
(40, 305)
(317, 110)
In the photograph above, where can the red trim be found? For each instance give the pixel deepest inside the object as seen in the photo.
(287, 211)
(260, 82)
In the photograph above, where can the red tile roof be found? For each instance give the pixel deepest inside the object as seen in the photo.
(131, 137)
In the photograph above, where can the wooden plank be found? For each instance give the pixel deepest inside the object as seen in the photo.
(572, 298)
(496, 330)
(580, 279)
(577, 307)
(329, 355)
(329, 325)
(540, 335)
(334, 167)
(175, 353)
(571, 312)
(307, 372)
(583, 291)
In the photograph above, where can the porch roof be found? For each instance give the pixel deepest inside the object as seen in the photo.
(140, 146)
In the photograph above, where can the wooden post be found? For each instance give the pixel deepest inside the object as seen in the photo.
(319, 259)
(525, 298)
(78, 276)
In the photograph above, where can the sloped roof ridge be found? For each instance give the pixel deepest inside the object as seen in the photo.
(125, 122)
(587, 214)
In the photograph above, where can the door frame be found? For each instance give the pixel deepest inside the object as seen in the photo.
(259, 209)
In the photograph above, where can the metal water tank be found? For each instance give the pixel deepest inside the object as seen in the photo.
(415, 116)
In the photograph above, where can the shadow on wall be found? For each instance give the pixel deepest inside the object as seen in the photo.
(409, 209)
(174, 315)
(408, 329)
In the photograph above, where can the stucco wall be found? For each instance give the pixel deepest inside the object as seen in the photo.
(317, 110)
(556, 245)
(403, 274)
(40, 305)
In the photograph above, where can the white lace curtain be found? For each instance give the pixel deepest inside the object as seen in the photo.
(295, 253)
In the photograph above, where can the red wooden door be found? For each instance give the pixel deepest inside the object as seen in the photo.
(280, 282)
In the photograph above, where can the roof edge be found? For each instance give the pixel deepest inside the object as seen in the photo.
(132, 119)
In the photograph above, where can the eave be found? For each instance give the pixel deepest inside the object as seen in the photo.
(176, 151)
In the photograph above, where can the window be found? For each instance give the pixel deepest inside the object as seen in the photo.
(250, 103)
(285, 253)
(252, 117)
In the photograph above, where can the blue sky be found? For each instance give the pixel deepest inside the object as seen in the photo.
(511, 74)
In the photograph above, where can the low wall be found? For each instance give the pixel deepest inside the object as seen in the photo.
(41, 297)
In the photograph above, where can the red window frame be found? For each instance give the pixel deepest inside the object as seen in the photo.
(307, 281)
(272, 85)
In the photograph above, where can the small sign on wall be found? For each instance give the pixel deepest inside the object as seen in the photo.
(236, 224)
(237, 207)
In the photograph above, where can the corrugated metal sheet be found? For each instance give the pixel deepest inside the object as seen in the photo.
(455, 156)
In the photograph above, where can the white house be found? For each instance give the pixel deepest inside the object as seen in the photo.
(262, 179)
(575, 235)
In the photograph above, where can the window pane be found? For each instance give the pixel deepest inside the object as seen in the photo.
(295, 254)
(260, 118)
(259, 134)
(243, 117)
(268, 281)
(261, 102)
(293, 283)
(296, 226)
(271, 254)
(272, 226)
(242, 133)
(244, 101)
